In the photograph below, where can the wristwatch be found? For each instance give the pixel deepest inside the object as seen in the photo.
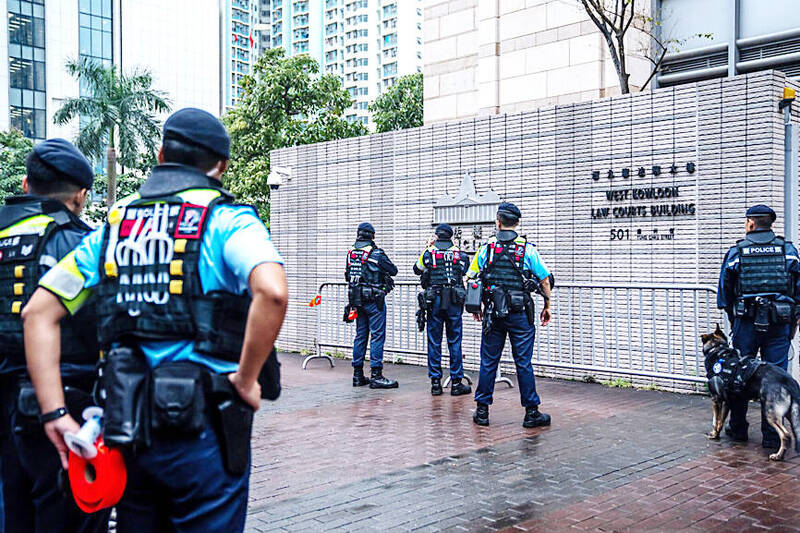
(53, 415)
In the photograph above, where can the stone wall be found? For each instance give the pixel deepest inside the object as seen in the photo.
(554, 163)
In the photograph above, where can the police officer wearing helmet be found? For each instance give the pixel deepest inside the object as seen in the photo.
(36, 230)
(369, 272)
(441, 267)
(759, 283)
(191, 294)
(509, 268)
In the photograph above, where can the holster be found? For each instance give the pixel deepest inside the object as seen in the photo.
(270, 377)
(488, 318)
(530, 309)
(346, 316)
(126, 382)
(234, 423)
(763, 312)
(422, 311)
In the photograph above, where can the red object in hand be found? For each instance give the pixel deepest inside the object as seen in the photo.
(353, 314)
(97, 483)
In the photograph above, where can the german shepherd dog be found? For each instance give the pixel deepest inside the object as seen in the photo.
(778, 392)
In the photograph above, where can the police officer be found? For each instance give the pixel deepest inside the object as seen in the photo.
(191, 295)
(758, 285)
(510, 268)
(369, 274)
(36, 230)
(441, 267)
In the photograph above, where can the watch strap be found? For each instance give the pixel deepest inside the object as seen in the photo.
(53, 415)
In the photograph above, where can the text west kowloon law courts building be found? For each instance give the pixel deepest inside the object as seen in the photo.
(632, 199)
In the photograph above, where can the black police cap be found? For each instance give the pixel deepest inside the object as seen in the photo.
(366, 228)
(444, 231)
(200, 128)
(62, 156)
(507, 209)
(761, 210)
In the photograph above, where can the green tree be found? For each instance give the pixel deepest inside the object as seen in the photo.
(120, 114)
(285, 103)
(400, 107)
(14, 148)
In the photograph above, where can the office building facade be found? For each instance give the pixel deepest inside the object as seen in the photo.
(38, 37)
(491, 57)
(368, 44)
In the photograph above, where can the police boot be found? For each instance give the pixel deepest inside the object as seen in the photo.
(736, 436)
(380, 382)
(436, 387)
(359, 379)
(534, 418)
(481, 415)
(459, 389)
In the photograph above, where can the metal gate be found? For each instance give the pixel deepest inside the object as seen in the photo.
(647, 330)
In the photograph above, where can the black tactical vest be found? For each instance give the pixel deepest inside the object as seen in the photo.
(150, 287)
(26, 225)
(362, 269)
(505, 262)
(762, 266)
(444, 265)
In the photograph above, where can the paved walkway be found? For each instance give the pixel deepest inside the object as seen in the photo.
(328, 457)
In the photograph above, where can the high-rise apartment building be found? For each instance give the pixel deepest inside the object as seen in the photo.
(367, 43)
(239, 18)
(39, 37)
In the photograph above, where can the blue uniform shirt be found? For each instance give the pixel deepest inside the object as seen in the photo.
(532, 261)
(234, 243)
(729, 272)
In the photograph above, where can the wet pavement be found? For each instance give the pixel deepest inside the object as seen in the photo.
(329, 457)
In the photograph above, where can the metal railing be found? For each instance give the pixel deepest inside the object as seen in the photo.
(648, 330)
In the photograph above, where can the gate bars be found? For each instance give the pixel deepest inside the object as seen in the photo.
(647, 330)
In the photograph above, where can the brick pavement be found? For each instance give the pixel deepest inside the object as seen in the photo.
(328, 457)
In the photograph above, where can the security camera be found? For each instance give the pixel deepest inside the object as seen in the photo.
(277, 175)
(274, 180)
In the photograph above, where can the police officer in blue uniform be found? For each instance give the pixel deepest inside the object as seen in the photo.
(759, 284)
(369, 272)
(510, 268)
(441, 267)
(191, 295)
(36, 230)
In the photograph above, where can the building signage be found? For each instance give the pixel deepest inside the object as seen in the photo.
(472, 215)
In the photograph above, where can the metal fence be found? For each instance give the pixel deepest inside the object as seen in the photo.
(633, 329)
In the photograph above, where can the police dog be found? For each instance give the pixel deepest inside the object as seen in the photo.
(778, 392)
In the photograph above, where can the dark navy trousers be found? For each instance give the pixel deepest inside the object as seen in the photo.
(521, 333)
(451, 320)
(774, 348)
(180, 485)
(370, 326)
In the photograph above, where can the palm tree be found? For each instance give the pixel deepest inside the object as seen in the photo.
(119, 113)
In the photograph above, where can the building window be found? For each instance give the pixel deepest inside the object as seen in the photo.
(26, 67)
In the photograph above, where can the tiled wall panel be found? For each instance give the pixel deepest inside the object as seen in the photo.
(544, 162)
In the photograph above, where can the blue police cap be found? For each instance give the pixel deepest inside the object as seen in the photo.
(761, 210)
(366, 227)
(64, 158)
(507, 209)
(444, 231)
(200, 128)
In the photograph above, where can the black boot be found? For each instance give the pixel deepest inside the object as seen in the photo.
(481, 415)
(534, 418)
(359, 379)
(735, 436)
(458, 389)
(379, 382)
(436, 387)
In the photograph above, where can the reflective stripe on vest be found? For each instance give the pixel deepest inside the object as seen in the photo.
(357, 270)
